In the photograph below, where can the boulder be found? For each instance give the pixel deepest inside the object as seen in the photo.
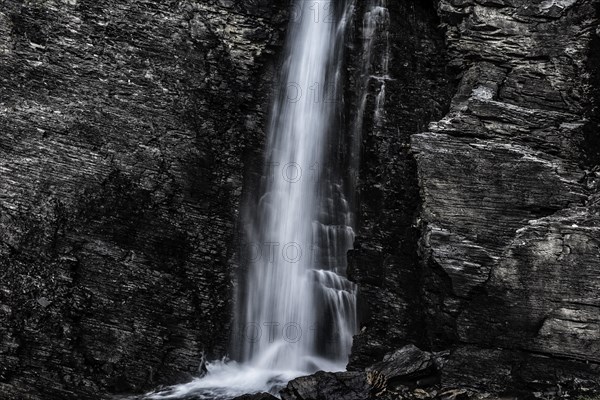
(256, 396)
(408, 366)
(328, 385)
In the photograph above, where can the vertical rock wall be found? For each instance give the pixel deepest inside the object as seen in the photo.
(124, 127)
(418, 90)
(507, 265)
(511, 231)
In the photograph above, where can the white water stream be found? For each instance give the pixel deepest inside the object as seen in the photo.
(296, 278)
(296, 311)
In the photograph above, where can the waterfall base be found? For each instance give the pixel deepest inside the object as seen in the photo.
(228, 380)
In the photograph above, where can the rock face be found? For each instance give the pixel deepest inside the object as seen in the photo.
(125, 128)
(510, 242)
(506, 270)
(385, 262)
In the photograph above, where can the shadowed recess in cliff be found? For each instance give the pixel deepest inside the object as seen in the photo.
(418, 89)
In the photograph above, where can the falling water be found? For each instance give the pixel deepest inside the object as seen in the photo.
(374, 67)
(296, 295)
(295, 311)
(378, 18)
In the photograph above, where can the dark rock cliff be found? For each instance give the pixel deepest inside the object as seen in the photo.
(128, 129)
(385, 262)
(511, 232)
(507, 268)
(124, 126)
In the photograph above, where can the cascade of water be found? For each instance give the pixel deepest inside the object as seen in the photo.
(296, 311)
(379, 15)
(301, 224)
(374, 67)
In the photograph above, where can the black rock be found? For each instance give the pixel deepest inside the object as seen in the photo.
(408, 366)
(328, 386)
(256, 396)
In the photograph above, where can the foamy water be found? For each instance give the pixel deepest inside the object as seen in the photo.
(227, 380)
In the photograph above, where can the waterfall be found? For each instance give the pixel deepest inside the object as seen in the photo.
(295, 309)
(296, 296)
(374, 69)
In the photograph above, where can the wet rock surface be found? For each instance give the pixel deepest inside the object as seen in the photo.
(418, 90)
(410, 374)
(125, 127)
(407, 373)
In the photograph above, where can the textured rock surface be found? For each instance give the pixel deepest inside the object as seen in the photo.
(327, 385)
(509, 216)
(510, 241)
(402, 367)
(124, 128)
(385, 262)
